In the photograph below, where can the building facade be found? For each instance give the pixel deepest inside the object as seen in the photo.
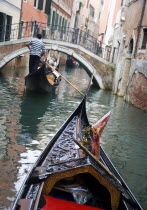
(34, 17)
(35, 10)
(76, 14)
(131, 72)
(9, 14)
(122, 35)
(89, 16)
(106, 21)
(61, 12)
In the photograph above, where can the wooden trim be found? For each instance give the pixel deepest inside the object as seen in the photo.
(114, 192)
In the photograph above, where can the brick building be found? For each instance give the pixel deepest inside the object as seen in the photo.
(131, 71)
(33, 14)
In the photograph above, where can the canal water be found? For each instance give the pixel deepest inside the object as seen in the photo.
(29, 121)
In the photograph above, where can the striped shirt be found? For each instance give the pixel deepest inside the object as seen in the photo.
(36, 47)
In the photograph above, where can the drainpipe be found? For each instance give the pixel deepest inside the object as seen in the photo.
(21, 11)
(139, 27)
(19, 32)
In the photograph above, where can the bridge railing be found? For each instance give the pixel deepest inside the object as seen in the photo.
(55, 32)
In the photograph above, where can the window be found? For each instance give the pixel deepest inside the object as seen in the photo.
(57, 18)
(43, 33)
(80, 6)
(2, 26)
(60, 21)
(63, 20)
(144, 41)
(40, 4)
(21, 29)
(5, 27)
(53, 18)
(35, 3)
(76, 22)
(131, 45)
(65, 23)
(49, 21)
(8, 28)
(91, 11)
(48, 7)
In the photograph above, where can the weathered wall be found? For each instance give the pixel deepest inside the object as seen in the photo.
(130, 80)
(17, 62)
(31, 13)
(130, 24)
(10, 47)
(137, 85)
(20, 61)
(124, 79)
(12, 8)
(64, 6)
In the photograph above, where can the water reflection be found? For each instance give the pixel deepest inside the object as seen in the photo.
(125, 142)
(10, 97)
(33, 107)
(28, 122)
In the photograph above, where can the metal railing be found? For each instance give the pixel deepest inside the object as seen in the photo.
(55, 32)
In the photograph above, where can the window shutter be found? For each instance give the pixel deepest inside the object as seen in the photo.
(35, 3)
(48, 7)
(40, 4)
(144, 42)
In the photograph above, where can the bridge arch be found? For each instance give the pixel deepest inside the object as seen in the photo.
(97, 80)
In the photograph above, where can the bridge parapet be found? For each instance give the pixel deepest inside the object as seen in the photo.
(90, 60)
(55, 32)
(87, 66)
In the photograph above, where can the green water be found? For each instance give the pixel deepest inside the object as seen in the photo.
(29, 121)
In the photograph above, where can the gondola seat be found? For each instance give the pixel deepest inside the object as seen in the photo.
(56, 204)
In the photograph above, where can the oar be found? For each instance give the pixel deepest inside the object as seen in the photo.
(66, 80)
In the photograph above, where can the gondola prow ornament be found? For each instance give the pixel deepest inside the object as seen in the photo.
(97, 130)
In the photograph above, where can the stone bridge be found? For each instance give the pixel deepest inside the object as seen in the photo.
(93, 64)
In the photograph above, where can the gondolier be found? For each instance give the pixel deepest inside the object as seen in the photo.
(37, 50)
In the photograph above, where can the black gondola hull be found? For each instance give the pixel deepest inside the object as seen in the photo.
(62, 160)
(38, 81)
(70, 62)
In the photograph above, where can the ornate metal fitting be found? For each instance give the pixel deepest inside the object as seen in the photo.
(86, 134)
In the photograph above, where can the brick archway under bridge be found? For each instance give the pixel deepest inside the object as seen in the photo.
(97, 80)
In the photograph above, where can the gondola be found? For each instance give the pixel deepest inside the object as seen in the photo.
(68, 176)
(42, 80)
(70, 62)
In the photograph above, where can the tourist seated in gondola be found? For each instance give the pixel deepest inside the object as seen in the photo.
(52, 76)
